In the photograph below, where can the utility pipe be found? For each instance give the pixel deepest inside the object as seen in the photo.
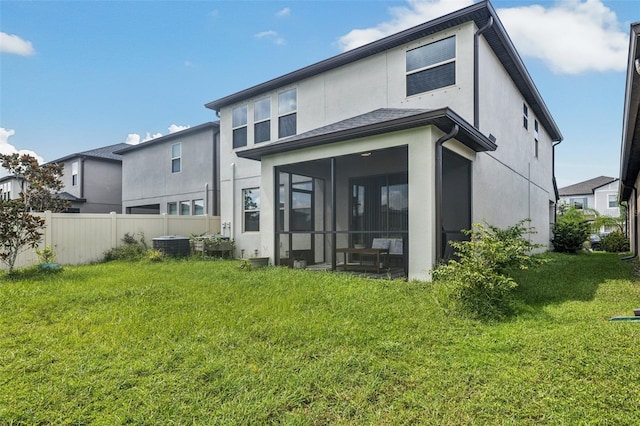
(233, 201)
(439, 231)
(635, 224)
(476, 74)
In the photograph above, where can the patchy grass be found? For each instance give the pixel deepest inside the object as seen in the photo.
(207, 343)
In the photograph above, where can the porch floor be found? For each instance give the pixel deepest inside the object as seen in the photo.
(391, 273)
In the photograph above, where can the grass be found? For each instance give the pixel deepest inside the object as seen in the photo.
(196, 342)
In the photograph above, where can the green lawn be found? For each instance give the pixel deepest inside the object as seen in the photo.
(204, 342)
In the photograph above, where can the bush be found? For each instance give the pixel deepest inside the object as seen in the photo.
(131, 249)
(570, 232)
(615, 242)
(478, 280)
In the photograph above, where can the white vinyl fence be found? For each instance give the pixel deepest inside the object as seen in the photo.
(84, 238)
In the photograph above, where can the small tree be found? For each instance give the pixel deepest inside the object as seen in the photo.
(570, 231)
(19, 229)
(479, 279)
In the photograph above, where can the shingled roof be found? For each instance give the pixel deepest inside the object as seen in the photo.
(586, 187)
(102, 153)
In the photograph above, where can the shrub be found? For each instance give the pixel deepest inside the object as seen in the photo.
(615, 242)
(131, 249)
(570, 231)
(478, 280)
(154, 255)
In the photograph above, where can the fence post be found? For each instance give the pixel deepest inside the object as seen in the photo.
(114, 230)
(165, 224)
(48, 217)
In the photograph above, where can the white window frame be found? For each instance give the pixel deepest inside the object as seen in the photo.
(74, 173)
(239, 122)
(525, 116)
(186, 204)
(176, 159)
(259, 119)
(584, 200)
(246, 210)
(613, 197)
(173, 204)
(195, 204)
(286, 109)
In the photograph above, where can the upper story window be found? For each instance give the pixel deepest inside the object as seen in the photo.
(262, 120)
(535, 138)
(176, 157)
(74, 173)
(431, 66)
(613, 201)
(287, 113)
(239, 125)
(5, 191)
(578, 203)
(525, 116)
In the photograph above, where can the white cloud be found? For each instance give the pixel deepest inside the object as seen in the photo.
(270, 35)
(7, 148)
(10, 43)
(402, 17)
(569, 37)
(176, 128)
(284, 12)
(135, 139)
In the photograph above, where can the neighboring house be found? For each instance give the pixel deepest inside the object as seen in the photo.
(10, 187)
(599, 194)
(630, 153)
(173, 174)
(93, 180)
(412, 137)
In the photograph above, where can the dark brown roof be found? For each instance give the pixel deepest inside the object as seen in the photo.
(587, 187)
(376, 122)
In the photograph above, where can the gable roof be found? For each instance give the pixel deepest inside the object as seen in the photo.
(384, 120)
(630, 152)
(107, 153)
(480, 13)
(174, 135)
(586, 187)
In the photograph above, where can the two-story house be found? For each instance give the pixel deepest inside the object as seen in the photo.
(176, 174)
(10, 187)
(599, 194)
(630, 152)
(412, 137)
(92, 180)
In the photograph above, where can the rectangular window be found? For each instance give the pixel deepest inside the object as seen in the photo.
(287, 113)
(525, 116)
(185, 208)
(74, 173)
(535, 138)
(262, 120)
(5, 191)
(431, 66)
(578, 203)
(251, 209)
(172, 208)
(198, 207)
(239, 126)
(176, 156)
(613, 201)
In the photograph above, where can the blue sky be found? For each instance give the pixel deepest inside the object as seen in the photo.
(76, 75)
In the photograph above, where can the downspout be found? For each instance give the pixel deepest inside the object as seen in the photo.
(82, 177)
(476, 74)
(233, 201)
(439, 231)
(635, 224)
(206, 199)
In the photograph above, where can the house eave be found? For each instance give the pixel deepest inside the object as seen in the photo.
(444, 119)
(171, 136)
(630, 149)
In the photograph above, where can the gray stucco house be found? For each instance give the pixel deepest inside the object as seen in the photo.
(10, 187)
(630, 152)
(173, 174)
(599, 194)
(93, 180)
(412, 137)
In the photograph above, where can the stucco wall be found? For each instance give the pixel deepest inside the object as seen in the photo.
(147, 177)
